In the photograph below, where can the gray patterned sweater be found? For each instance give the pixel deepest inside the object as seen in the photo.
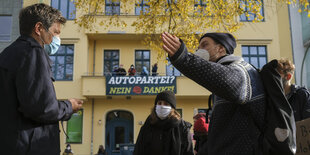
(239, 107)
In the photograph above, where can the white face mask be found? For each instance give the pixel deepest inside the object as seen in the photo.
(204, 54)
(162, 111)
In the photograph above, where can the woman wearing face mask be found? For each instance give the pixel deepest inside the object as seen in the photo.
(164, 131)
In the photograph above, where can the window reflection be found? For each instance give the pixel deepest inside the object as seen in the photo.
(62, 66)
(255, 55)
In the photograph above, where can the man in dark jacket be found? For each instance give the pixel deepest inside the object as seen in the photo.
(298, 97)
(30, 111)
(237, 87)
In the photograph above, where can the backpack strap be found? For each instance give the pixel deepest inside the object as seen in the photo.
(209, 110)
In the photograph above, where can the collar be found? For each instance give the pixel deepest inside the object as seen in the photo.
(229, 59)
(29, 39)
(293, 91)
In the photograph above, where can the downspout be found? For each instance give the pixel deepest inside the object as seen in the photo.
(94, 58)
(92, 127)
(303, 61)
(92, 106)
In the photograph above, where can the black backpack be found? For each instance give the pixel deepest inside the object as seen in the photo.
(279, 132)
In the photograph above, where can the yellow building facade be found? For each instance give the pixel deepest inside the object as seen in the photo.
(111, 120)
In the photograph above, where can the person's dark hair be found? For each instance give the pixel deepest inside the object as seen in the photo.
(41, 12)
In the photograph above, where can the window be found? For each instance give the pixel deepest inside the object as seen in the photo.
(170, 3)
(75, 128)
(200, 5)
(112, 7)
(180, 112)
(62, 66)
(171, 70)
(142, 58)
(5, 27)
(255, 55)
(251, 16)
(66, 7)
(111, 61)
(142, 7)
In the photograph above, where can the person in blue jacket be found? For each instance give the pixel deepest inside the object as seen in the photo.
(30, 112)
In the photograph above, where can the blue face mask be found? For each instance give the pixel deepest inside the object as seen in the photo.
(53, 46)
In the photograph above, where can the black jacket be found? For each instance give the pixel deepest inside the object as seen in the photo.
(299, 99)
(29, 109)
(165, 137)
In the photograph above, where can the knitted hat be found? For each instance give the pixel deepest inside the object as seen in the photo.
(167, 96)
(225, 39)
(200, 125)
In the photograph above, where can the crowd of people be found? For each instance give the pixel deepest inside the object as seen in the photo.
(120, 71)
(239, 104)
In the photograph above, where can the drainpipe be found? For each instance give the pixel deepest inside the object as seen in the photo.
(92, 127)
(94, 58)
(303, 61)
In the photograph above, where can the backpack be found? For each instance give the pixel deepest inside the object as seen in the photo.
(279, 132)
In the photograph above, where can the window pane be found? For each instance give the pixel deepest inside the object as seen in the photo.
(117, 2)
(138, 66)
(55, 4)
(177, 72)
(61, 50)
(5, 28)
(115, 55)
(146, 55)
(107, 55)
(107, 67)
(246, 59)
(69, 60)
(115, 63)
(254, 61)
(60, 71)
(108, 10)
(64, 8)
(70, 49)
(262, 61)
(71, 10)
(262, 50)
(253, 50)
(251, 17)
(245, 50)
(242, 17)
(138, 54)
(147, 65)
(146, 9)
(53, 58)
(69, 71)
(138, 9)
(60, 60)
(169, 70)
(116, 10)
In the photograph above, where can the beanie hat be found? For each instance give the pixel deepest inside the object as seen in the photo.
(225, 39)
(167, 96)
(200, 125)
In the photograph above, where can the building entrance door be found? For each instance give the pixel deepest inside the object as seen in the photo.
(119, 130)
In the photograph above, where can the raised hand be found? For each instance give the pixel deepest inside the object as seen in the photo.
(171, 43)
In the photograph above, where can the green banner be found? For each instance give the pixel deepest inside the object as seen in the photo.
(139, 85)
(74, 128)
